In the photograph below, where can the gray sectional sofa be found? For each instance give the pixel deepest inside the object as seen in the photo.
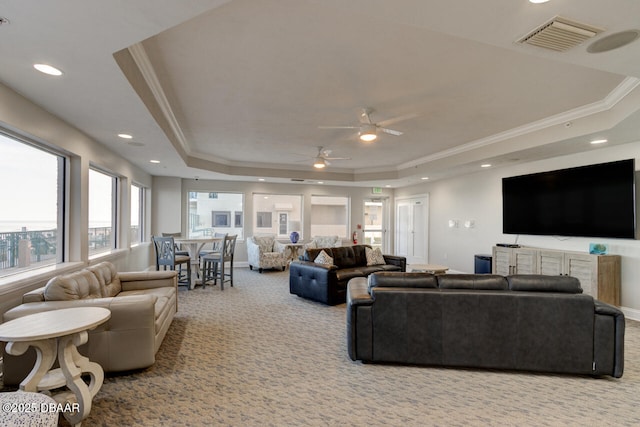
(521, 322)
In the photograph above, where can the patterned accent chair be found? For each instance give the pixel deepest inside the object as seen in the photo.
(324, 242)
(266, 252)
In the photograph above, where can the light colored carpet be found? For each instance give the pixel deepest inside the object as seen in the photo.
(255, 355)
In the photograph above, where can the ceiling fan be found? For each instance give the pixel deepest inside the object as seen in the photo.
(322, 159)
(368, 130)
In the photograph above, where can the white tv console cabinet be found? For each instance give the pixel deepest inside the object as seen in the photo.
(599, 275)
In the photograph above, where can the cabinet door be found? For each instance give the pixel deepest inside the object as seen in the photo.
(584, 268)
(501, 261)
(525, 261)
(551, 263)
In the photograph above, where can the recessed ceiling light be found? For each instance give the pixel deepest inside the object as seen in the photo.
(320, 182)
(387, 186)
(538, 1)
(599, 141)
(154, 161)
(47, 69)
(486, 165)
(424, 178)
(125, 136)
(260, 179)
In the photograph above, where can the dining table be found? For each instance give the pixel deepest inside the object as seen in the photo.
(194, 245)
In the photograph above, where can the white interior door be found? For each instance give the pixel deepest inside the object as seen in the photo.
(411, 229)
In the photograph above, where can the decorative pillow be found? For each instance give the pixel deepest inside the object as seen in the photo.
(323, 258)
(374, 256)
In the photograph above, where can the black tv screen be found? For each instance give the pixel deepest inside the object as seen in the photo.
(589, 201)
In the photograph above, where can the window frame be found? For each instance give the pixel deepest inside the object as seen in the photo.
(225, 214)
(113, 240)
(61, 235)
(201, 204)
(140, 234)
(347, 218)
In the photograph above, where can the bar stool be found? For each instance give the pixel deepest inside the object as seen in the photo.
(214, 263)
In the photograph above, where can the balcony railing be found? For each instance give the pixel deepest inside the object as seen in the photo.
(20, 249)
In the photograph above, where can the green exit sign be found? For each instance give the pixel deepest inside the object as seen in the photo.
(376, 190)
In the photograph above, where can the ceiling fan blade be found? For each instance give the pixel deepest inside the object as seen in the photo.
(397, 119)
(337, 158)
(338, 127)
(390, 131)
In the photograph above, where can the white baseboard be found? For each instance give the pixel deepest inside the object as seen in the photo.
(631, 313)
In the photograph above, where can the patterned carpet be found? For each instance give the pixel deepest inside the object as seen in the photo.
(254, 355)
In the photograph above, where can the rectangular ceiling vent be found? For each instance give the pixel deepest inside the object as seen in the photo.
(560, 34)
(297, 180)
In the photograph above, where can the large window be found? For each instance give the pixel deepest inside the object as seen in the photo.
(102, 196)
(278, 214)
(215, 212)
(137, 214)
(31, 214)
(330, 216)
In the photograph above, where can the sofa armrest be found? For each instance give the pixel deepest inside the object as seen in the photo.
(609, 331)
(400, 261)
(137, 280)
(359, 320)
(358, 292)
(36, 295)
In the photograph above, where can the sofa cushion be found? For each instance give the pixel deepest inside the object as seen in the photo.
(370, 269)
(398, 279)
(488, 282)
(539, 283)
(74, 286)
(346, 274)
(345, 257)
(374, 256)
(360, 254)
(107, 276)
(323, 258)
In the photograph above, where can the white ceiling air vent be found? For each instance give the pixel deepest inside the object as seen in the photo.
(560, 34)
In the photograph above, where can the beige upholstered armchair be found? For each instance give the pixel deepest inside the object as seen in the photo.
(324, 242)
(266, 252)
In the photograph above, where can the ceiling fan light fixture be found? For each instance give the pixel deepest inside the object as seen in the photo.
(368, 133)
(319, 163)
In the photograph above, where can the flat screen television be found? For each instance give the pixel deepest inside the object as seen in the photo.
(588, 201)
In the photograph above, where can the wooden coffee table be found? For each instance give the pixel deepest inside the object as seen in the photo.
(58, 333)
(429, 268)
